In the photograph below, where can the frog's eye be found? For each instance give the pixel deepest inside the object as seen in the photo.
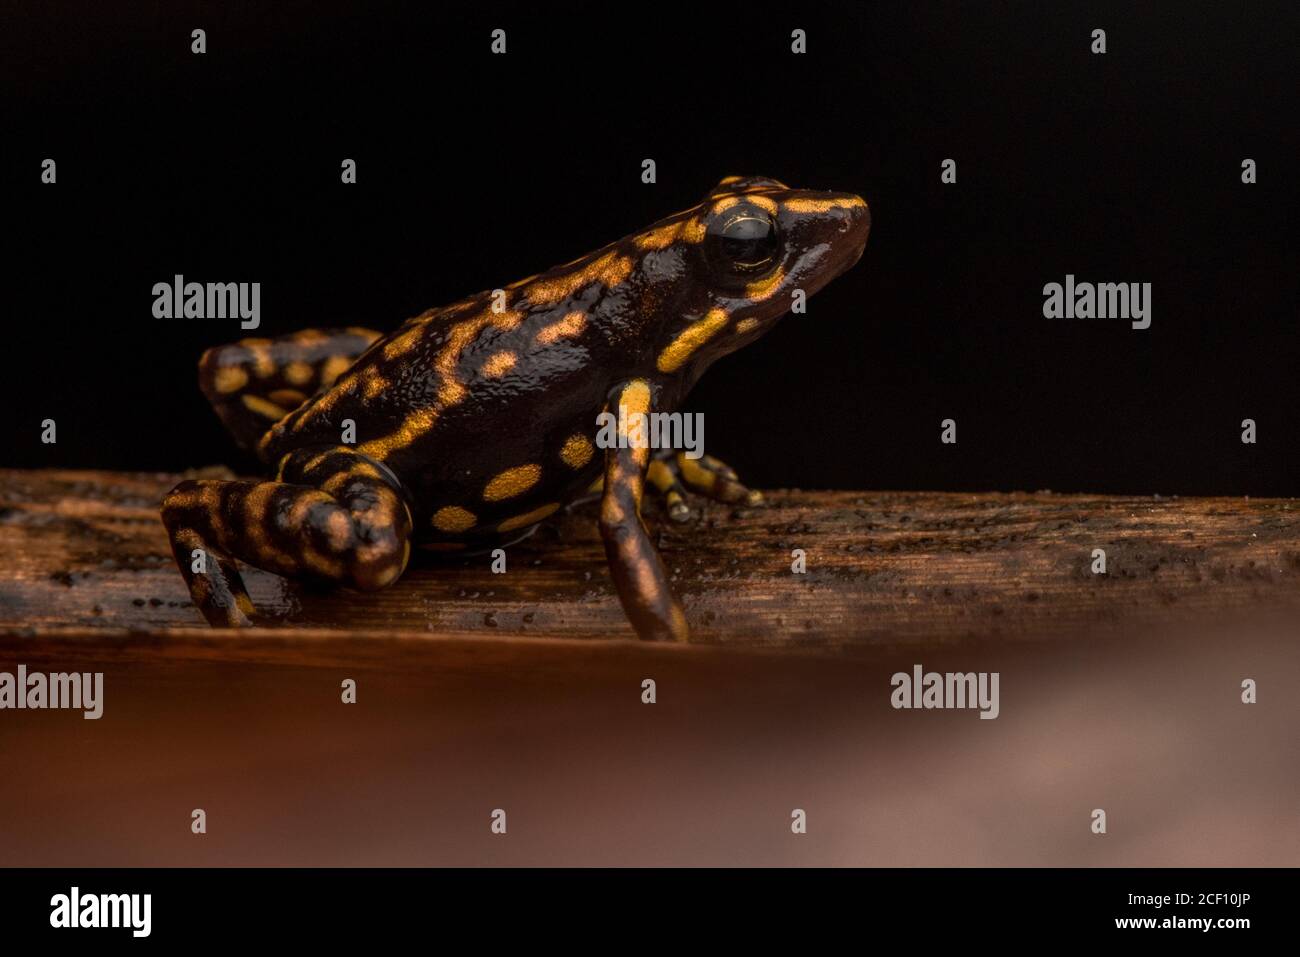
(743, 240)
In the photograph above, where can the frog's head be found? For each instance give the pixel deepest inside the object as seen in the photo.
(754, 246)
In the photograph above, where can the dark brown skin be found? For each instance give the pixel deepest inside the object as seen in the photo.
(471, 423)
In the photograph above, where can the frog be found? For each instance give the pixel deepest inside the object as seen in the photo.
(470, 424)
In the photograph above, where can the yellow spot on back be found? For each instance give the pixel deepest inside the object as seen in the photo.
(255, 403)
(289, 398)
(450, 390)
(567, 328)
(690, 339)
(334, 367)
(577, 451)
(373, 383)
(507, 320)
(609, 269)
(299, 373)
(414, 426)
(745, 325)
(529, 518)
(230, 379)
(512, 482)
(263, 364)
(400, 345)
(498, 364)
(454, 519)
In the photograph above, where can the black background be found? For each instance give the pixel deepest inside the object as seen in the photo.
(475, 170)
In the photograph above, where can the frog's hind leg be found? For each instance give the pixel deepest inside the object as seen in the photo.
(254, 383)
(332, 516)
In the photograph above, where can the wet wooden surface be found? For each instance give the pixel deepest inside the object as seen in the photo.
(85, 553)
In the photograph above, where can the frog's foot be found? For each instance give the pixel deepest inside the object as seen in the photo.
(706, 476)
(333, 516)
(254, 383)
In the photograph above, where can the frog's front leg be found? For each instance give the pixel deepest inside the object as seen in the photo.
(332, 515)
(638, 571)
(707, 476)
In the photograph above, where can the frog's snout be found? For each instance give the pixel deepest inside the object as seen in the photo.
(851, 219)
(852, 213)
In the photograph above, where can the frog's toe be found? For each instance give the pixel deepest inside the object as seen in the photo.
(662, 476)
(715, 479)
(215, 585)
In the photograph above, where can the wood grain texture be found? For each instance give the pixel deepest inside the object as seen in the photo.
(84, 553)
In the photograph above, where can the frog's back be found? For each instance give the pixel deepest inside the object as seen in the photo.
(486, 410)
